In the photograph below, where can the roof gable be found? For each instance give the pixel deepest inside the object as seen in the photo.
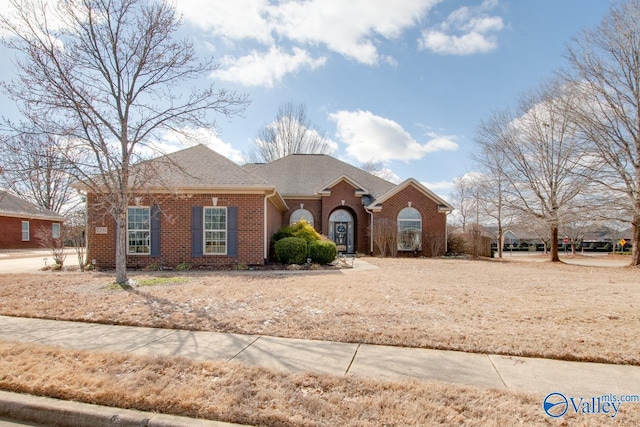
(359, 188)
(15, 206)
(443, 206)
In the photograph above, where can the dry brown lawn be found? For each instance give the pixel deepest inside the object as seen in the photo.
(515, 308)
(257, 396)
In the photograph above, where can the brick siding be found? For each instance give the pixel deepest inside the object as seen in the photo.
(175, 225)
(434, 223)
(312, 205)
(11, 232)
(175, 231)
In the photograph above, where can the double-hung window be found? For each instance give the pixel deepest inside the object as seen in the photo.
(25, 231)
(409, 229)
(215, 231)
(138, 230)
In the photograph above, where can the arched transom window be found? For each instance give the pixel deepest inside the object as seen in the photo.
(300, 214)
(409, 230)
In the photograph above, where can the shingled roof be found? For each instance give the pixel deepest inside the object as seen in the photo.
(200, 168)
(310, 174)
(14, 206)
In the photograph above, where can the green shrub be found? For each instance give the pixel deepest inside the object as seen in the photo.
(300, 229)
(291, 250)
(183, 266)
(154, 266)
(282, 233)
(322, 251)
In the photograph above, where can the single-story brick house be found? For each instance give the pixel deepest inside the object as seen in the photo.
(21, 221)
(206, 210)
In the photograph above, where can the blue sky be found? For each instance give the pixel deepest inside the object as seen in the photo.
(405, 82)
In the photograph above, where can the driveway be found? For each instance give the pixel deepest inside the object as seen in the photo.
(32, 260)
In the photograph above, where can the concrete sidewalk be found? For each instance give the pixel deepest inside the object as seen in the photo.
(541, 376)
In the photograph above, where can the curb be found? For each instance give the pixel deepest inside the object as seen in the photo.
(62, 413)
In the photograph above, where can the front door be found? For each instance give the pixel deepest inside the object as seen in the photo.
(341, 230)
(340, 235)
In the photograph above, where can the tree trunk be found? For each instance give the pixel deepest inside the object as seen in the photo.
(500, 240)
(121, 248)
(554, 244)
(635, 252)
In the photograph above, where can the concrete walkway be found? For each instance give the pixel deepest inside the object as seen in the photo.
(541, 376)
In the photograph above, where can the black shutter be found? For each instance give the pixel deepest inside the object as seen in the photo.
(232, 231)
(196, 231)
(155, 231)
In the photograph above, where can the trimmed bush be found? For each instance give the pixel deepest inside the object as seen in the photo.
(282, 233)
(291, 250)
(322, 251)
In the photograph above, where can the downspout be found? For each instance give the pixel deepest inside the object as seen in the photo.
(370, 230)
(266, 227)
(446, 232)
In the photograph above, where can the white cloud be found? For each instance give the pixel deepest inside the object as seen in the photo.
(235, 20)
(350, 28)
(265, 68)
(466, 31)
(439, 186)
(174, 141)
(370, 137)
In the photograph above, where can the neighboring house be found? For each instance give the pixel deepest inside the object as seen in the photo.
(205, 210)
(21, 222)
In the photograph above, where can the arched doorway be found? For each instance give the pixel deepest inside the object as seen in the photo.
(341, 228)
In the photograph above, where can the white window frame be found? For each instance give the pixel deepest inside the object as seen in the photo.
(55, 230)
(412, 223)
(139, 230)
(26, 231)
(300, 214)
(223, 231)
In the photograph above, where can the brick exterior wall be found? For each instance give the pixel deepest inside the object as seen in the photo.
(175, 231)
(274, 223)
(312, 205)
(175, 225)
(434, 223)
(352, 203)
(11, 232)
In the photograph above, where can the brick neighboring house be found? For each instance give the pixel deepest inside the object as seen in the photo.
(205, 210)
(21, 221)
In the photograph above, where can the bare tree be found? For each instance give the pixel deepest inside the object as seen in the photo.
(290, 133)
(35, 168)
(75, 225)
(605, 70)
(385, 236)
(104, 75)
(54, 244)
(546, 163)
(465, 197)
(494, 186)
(378, 169)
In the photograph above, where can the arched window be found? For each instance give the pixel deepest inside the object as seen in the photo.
(409, 230)
(299, 215)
